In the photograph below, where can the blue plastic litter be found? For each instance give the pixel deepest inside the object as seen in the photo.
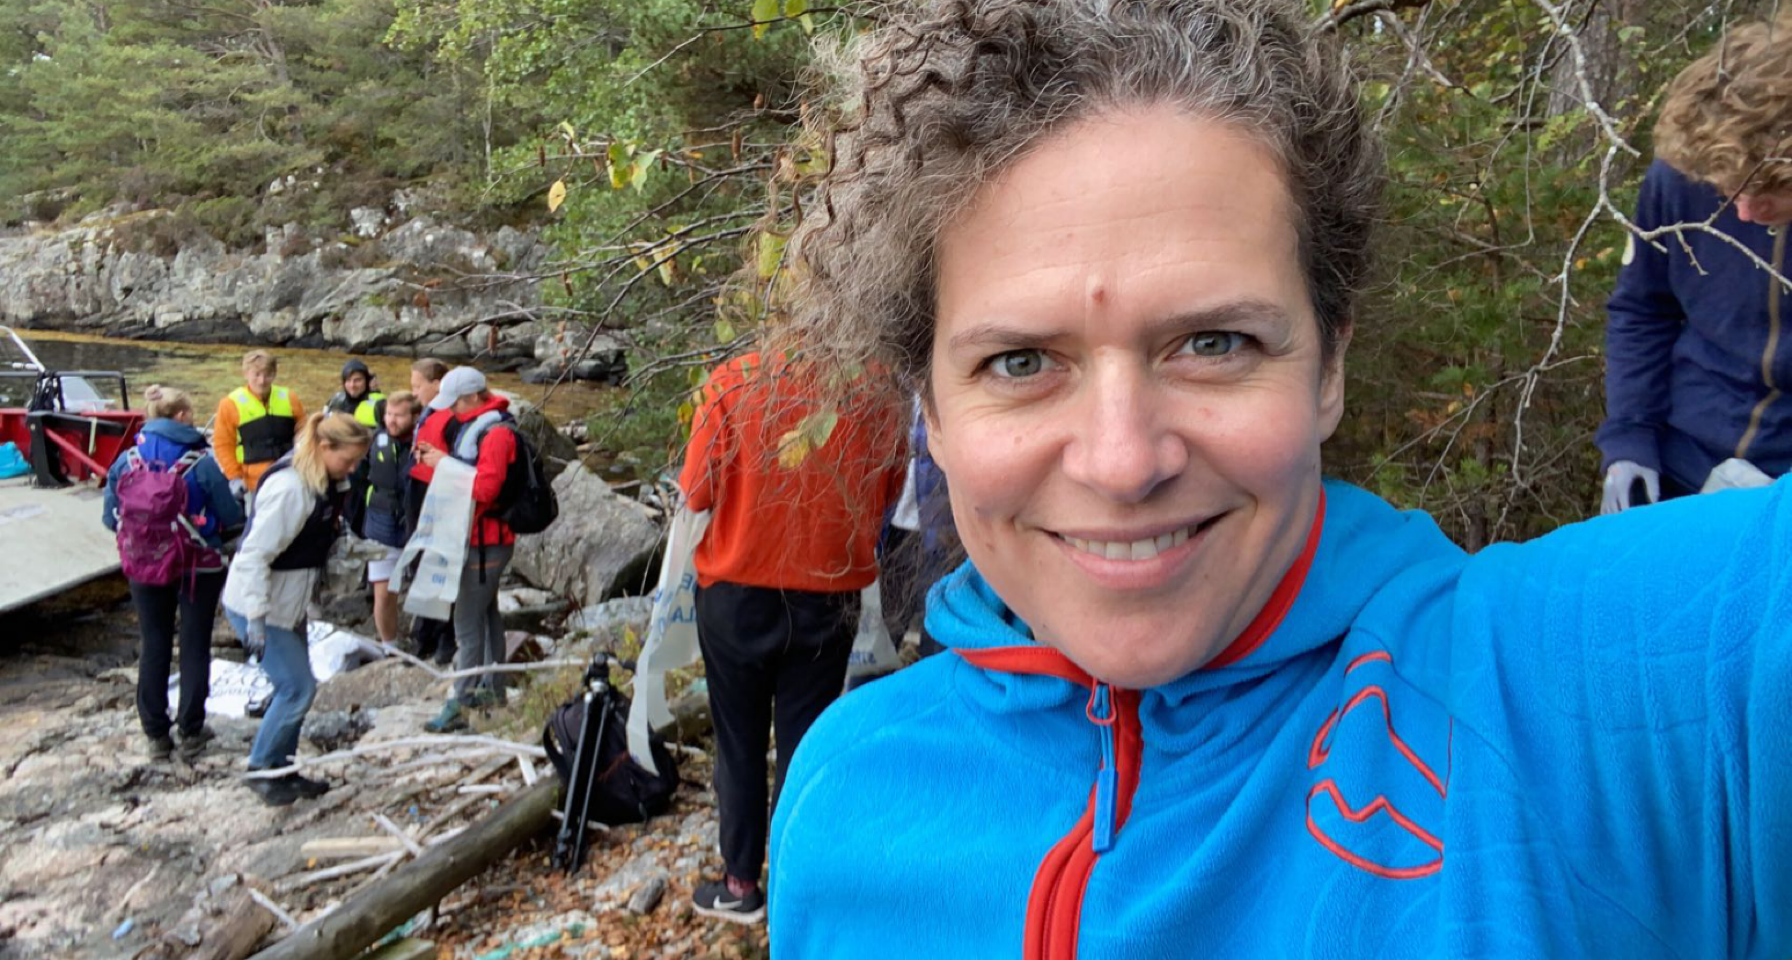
(12, 462)
(125, 927)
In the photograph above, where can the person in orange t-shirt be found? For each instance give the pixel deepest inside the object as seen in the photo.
(796, 509)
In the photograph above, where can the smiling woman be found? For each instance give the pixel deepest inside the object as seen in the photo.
(1126, 358)
(1202, 700)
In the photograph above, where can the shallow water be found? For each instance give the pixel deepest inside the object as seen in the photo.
(208, 372)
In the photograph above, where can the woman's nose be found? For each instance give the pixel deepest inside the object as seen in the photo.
(1123, 448)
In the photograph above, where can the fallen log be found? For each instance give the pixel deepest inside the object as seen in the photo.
(243, 925)
(373, 912)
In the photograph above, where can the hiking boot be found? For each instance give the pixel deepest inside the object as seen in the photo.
(160, 748)
(714, 899)
(450, 720)
(483, 701)
(192, 745)
(306, 787)
(274, 791)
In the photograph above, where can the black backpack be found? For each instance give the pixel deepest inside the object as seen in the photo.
(526, 503)
(621, 791)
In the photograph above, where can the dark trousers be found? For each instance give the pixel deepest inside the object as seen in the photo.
(767, 654)
(195, 602)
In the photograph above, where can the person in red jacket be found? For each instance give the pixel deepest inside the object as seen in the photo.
(798, 492)
(483, 436)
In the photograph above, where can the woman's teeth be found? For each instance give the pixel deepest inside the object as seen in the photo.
(1131, 550)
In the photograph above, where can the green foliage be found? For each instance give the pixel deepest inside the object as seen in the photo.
(1489, 312)
(153, 102)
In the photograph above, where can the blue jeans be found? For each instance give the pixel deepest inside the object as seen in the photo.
(287, 662)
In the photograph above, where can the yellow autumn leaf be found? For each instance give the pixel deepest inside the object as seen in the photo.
(763, 11)
(771, 253)
(556, 195)
(793, 449)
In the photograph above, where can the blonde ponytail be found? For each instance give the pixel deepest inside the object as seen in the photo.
(165, 403)
(332, 430)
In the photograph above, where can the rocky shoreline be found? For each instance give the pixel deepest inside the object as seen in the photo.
(407, 285)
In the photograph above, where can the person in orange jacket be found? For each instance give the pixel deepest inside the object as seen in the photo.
(255, 424)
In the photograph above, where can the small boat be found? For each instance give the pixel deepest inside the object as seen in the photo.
(69, 432)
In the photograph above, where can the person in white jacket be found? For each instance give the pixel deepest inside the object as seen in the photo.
(298, 516)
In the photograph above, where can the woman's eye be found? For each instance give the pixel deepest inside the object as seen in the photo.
(1019, 364)
(1213, 343)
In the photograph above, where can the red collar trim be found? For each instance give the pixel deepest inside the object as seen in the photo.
(1046, 660)
(1036, 659)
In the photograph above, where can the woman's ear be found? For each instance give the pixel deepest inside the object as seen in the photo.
(931, 420)
(1331, 385)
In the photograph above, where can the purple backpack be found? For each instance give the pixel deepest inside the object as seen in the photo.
(157, 544)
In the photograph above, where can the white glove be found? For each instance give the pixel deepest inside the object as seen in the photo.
(1620, 477)
(239, 488)
(255, 639)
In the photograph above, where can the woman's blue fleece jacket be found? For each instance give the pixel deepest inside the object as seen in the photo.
(1579, 746)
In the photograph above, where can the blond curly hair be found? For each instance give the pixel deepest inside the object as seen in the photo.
(942, 97)
(1727, 119)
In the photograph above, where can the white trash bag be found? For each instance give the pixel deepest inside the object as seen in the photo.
(873, 652)
(671, 640)
(234, 686)
(440, 543)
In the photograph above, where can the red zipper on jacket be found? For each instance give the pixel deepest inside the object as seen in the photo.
(1055, 903)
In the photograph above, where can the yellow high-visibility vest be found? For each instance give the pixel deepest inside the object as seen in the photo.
(367, 412)
(263, 433)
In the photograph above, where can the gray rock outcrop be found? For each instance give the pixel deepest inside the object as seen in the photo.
(599, 540)
(422, 287)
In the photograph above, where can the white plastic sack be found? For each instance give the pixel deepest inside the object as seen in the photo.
(331, 650)
(873, 653)
(335, 651)
(233, 687)
(671, 640)
(1735, 474)
(440, 543)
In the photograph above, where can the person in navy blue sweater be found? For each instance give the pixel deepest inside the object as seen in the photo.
(1200, 700)
(1697, 356)
(168, 436)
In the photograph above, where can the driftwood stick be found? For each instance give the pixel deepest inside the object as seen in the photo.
(430, 668)
(345, 870)
(270, 906)
(369, 915)
(124, 904)
(385, 823)
(402, 743)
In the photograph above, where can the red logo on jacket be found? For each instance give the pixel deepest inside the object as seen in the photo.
(1386, 815)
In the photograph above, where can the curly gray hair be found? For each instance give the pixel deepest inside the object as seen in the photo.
(938, 100)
